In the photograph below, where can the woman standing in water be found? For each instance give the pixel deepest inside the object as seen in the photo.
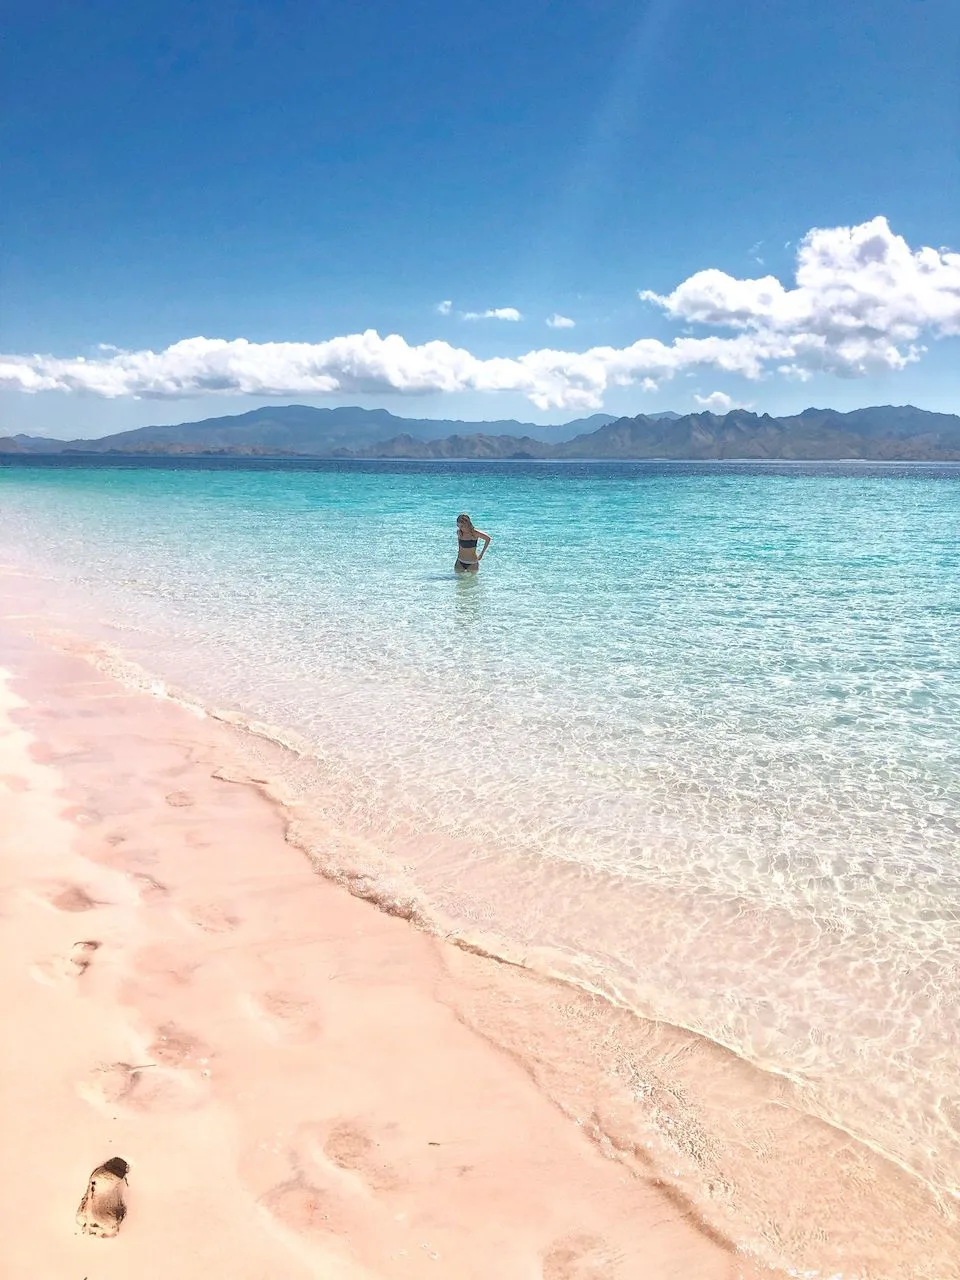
(467, 538)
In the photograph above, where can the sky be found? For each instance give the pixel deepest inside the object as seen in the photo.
(487, 209)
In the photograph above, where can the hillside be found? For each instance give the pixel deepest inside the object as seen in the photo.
(293, 429)
(882, 433)
(885, 432)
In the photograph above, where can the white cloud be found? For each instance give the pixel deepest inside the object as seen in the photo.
(367, 363)
(862, 301)
(560, 322)
(444, 308)
(494, 313)
(718, 402)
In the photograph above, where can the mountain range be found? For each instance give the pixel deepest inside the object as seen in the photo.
(887, 432)
(293, 429)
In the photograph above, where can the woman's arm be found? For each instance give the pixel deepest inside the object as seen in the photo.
(486, 542)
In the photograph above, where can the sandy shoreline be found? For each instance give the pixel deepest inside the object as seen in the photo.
(306, 1086)
(274, 1058)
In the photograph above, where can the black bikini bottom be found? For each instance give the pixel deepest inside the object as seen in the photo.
(463, 564)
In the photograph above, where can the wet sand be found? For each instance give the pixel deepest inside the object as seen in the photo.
(279, 1063)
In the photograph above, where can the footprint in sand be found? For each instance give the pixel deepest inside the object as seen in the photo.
(350, 1147)
(148, 889)
(285, 1016)
(102, 1208)
(212, 918)
(71, 897)
(174, 1047)
(301, 1207)
(337, 1179)
(146, 1087)
(78, 961)
(180, 799)
(347, 1145)
(582, 1257)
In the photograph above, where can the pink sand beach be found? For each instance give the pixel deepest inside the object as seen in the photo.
(304, 1085)
(288, 1071)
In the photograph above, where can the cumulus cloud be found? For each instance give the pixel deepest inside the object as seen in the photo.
(861, 302)
(444, 308)
(560, 322)
(369, 363)
(494, 313)
(718, 402)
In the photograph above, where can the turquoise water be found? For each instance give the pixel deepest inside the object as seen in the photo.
(691, 736)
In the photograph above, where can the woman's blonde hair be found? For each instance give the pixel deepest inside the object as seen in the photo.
(464, 523)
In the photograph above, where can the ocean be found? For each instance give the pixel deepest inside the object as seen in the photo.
(690, 739)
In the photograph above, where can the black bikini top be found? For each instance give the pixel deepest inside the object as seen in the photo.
(467, 542)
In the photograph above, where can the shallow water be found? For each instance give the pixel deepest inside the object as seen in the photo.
(691, 737)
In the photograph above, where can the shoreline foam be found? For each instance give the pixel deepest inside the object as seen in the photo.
(639, 1092)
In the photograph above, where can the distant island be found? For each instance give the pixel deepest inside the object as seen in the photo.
(882, 433)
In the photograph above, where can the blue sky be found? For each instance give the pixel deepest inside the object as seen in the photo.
(293, 173)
